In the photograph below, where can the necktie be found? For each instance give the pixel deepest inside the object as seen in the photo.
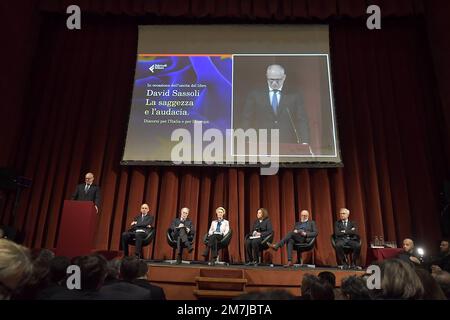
(218, 225)
(86, 188)
(345, 224)
(275, 101)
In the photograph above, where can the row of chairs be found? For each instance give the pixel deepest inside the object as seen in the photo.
(299, 247)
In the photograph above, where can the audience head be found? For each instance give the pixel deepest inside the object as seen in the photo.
(145, 208)
(93, 270)
(143, 270)
(444, 247)
(443, 279)
(113, 269)
(432, 290)
(184, 213)
(58, 269)
(304, 215)
(400, 281)
(262, 214)
(355, 288)
(305, 288)
(329, 277)
(344, 213)
(321, 290)
(220, 212)
(15, 268)
(267, 295)
(129, 268)
(408, 245)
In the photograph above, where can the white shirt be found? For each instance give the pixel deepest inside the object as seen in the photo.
(224, 227)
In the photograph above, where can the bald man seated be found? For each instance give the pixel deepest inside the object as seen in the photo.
(139, 229)
(304, 231)
(88, 191)
(408, 254)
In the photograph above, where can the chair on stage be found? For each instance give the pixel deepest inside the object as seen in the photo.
(221, 245)
(145, 242)
(263, 246)
(304, 247)
(348, 250)
(173, 244)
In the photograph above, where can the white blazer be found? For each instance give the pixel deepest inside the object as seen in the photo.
(224, 227)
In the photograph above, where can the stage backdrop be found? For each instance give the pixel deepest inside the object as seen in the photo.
(75, 109)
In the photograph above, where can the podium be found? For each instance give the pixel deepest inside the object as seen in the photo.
(77, 229)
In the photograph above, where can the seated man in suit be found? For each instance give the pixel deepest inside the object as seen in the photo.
(346, 234)
(304, 230)
(140, 227)
(183, 231)
(88, 191)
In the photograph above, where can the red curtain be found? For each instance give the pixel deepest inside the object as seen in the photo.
(76, 111)
(278, 10)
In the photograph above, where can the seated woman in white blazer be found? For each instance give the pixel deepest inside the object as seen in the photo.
(219, 228)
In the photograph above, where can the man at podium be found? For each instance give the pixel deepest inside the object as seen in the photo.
(88, 191)
(139, 229)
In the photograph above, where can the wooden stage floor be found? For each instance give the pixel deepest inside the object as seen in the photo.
(179, 281)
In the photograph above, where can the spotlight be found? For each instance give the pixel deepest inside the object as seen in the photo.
(421, 252)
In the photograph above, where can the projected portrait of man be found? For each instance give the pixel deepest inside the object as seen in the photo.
(273, 107)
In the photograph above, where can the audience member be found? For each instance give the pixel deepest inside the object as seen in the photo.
(16, 268)
(400, 281)
(355, 288)
(142, 281)
(432, 290)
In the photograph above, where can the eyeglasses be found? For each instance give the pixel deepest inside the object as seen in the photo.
(268, 79)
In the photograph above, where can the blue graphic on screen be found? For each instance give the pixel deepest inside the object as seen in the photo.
(172, 91)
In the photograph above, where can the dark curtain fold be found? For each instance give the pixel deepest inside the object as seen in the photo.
(278, 10)
(74, 115)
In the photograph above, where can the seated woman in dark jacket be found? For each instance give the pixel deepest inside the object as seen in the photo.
(262, 227)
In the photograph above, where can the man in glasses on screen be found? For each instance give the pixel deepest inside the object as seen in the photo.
(275, 108)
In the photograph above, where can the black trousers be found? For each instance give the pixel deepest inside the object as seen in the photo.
(213, 241)
(290, 239)
(128, 236)
(355, 247)
(252, 249)
(182, 238)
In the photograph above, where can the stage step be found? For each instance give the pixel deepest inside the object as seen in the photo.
(220, 283)
(217, 294)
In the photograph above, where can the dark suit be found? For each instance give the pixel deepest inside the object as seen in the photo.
(346, 236)
(141, 224)
(290, 119)
(92, 194)
(123, 290)
(291, 238)
(252, 246)
(157, 293)
(184, 238)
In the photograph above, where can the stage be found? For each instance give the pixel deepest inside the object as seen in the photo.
(198, 280)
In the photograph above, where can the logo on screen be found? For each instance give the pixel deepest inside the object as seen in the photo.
(155, 66)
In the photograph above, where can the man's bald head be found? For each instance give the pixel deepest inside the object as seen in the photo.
(89, 178)
(408, 245)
